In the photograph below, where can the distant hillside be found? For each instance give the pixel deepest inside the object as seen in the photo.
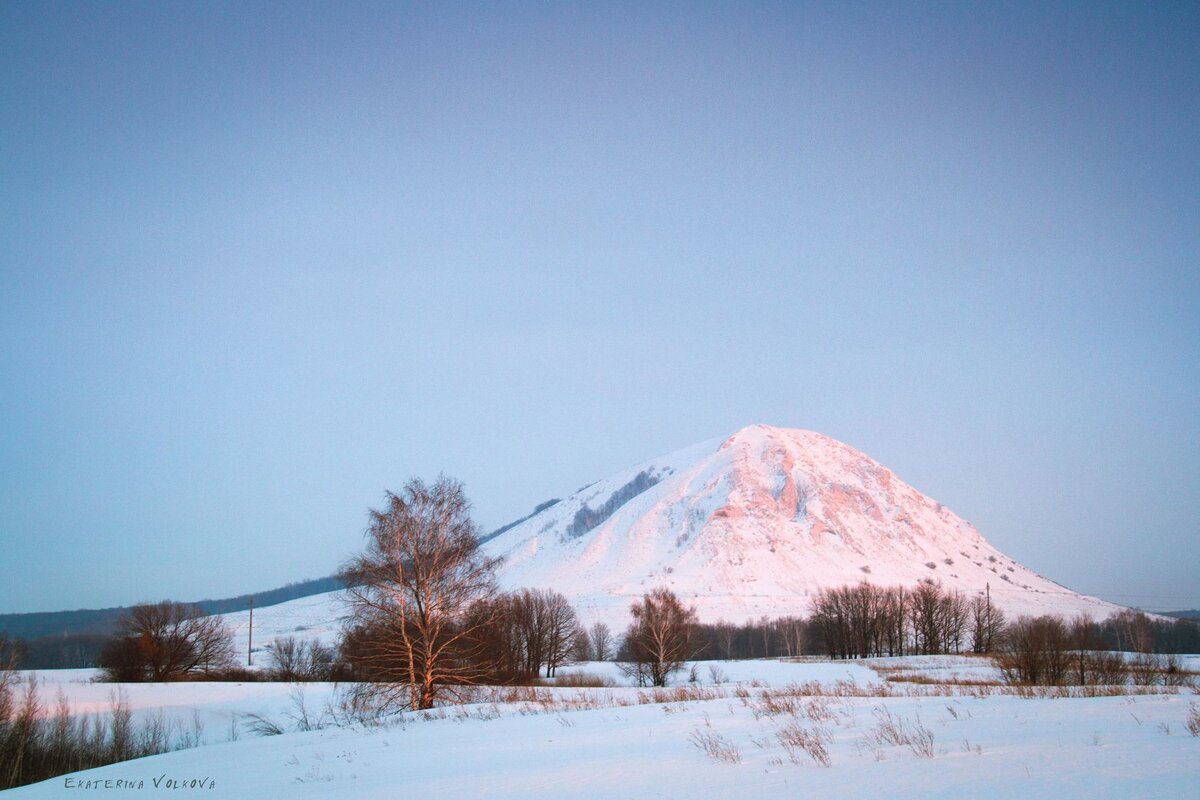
(1193, 614)
(102, 621)
(91, 622)
(70, 639)
(542, 507)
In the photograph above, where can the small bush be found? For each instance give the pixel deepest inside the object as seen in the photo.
(262, 726)
(297, 660)
(897, 732)
(1036, 652)
(234, 675)
(1105, 669)
(715, 746)
(1149, 669)
(796, 738)
(1193, 720)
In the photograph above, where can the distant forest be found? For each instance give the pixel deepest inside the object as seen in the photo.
(1191, 614)
(587, 518)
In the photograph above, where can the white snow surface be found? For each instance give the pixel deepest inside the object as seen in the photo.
(756, 524)
(317, 617)
(619, 746)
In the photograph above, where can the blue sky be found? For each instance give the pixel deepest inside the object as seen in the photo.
(260, 263)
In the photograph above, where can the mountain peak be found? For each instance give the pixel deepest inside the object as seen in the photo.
(762, 430)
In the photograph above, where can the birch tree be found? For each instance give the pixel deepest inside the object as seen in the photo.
(660, 639)
(410, 636)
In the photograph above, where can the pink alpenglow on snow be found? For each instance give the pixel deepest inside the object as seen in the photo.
(756, 524)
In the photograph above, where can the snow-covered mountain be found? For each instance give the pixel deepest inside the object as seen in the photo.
(741, 527)
(756, 524)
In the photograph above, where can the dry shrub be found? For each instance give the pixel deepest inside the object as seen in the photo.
(37, 743)
(795, 738)
(818, 709)
(772, 704)
(897, 731)
(1105, 668)
(582, 680)
(1163, 670)
(525, 694)
(1036, 652)
(679, 694)
(1193, 720)
(715, 746)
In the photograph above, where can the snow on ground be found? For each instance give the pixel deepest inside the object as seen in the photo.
(316, 617)
(212, 712)
(940, 669)
(995, 747)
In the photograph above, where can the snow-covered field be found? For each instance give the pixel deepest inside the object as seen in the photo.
(740, 731)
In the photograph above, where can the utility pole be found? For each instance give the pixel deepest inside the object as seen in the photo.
(988, 619)
(250, 636)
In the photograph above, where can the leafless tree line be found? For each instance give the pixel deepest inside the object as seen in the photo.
(865, 620)
(522, 633)
(782, 637)
(1050, 651)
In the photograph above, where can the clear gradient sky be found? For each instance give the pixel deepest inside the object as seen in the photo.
(260, 263)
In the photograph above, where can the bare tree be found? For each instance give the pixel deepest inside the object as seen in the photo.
(987, 623)
(601, 639)
(166, 641)
(297, 660)
(122, 661)
(955, 616)
(830, 622)
(1036, 652)
(894, 620)
(581, 649)
(560, 625)
(1134, 631)
(1084, 640)
(660, 639)
(926, 611)
(791, 634)
(410, 636)
(726, 633)
(516, 635)
(857, 620)
(12, 652)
